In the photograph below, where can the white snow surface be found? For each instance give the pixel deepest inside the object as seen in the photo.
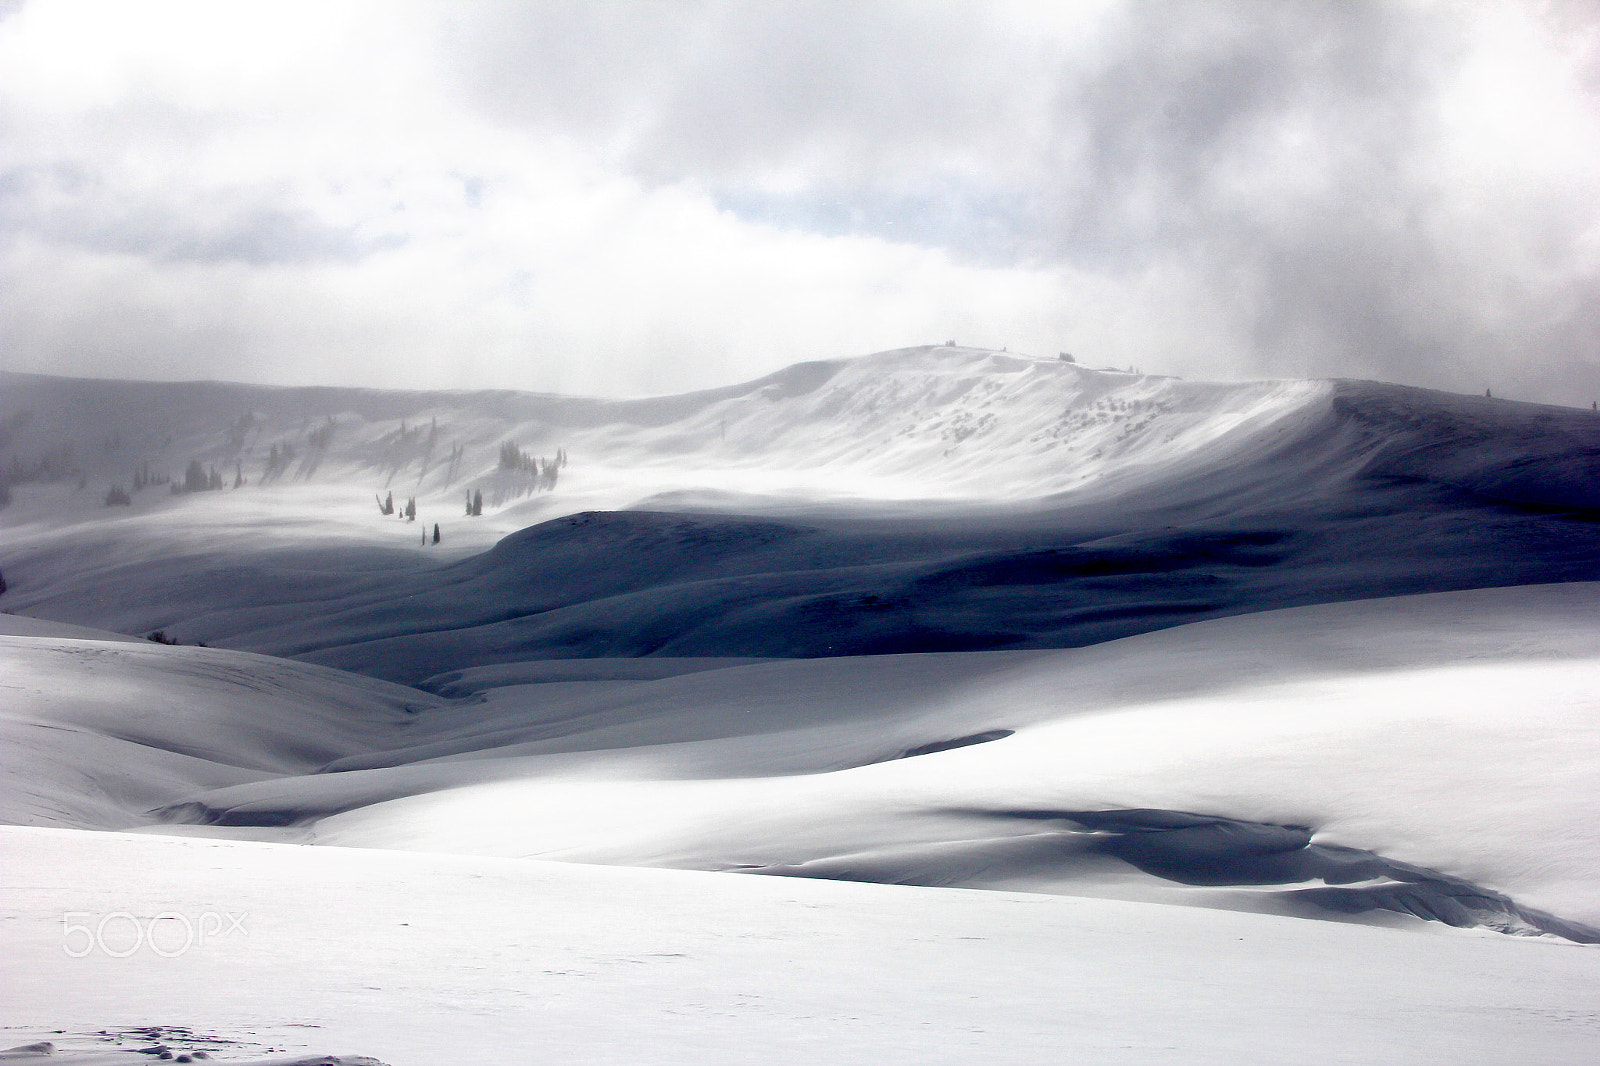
(1454, 731)
(924, 424)
(1457, 732)
(430, 960)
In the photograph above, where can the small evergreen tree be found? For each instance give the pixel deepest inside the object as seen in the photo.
(477, 503)
(117, 496)
(411, 509)
(436, 532)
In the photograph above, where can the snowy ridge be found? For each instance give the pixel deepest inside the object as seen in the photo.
(921, 421)
(1036, 504)
(962, 422)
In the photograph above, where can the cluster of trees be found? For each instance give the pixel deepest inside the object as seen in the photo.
(475, 504)
(543, 471)
(143, 477)
(278, 460)
(160, 637)
(197, 478)
(54, 464)
(408, 512)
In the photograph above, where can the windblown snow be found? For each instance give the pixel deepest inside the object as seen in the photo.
(1163, 666)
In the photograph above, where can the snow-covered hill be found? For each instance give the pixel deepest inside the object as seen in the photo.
(1366, 724)
(919, 500)
(917, 423)
(938, 617)
(920, 423)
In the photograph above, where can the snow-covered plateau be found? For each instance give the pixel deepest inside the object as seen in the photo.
(940, 705)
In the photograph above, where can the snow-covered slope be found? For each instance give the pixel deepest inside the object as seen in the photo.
(939, 617)
(431, 960)
(920, 500)
(1369, 724)
(95, 729)
(916, 423)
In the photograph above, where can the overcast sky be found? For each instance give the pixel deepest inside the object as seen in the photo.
(642, 197)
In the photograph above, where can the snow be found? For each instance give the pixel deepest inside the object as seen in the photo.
(1163, 667)
(429, 959)
(919, 424)
(836, 511)
(1371, 722)
(97, 731)
(1426, 752)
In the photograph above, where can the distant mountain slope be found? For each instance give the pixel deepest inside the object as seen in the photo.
(923, 499)
(931, 422)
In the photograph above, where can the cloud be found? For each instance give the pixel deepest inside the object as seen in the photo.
(641, 197)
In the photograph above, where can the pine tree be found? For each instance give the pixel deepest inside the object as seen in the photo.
(411, 509)
(477, 503)
(436, 532)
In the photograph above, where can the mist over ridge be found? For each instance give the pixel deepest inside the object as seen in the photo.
(923, 499)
